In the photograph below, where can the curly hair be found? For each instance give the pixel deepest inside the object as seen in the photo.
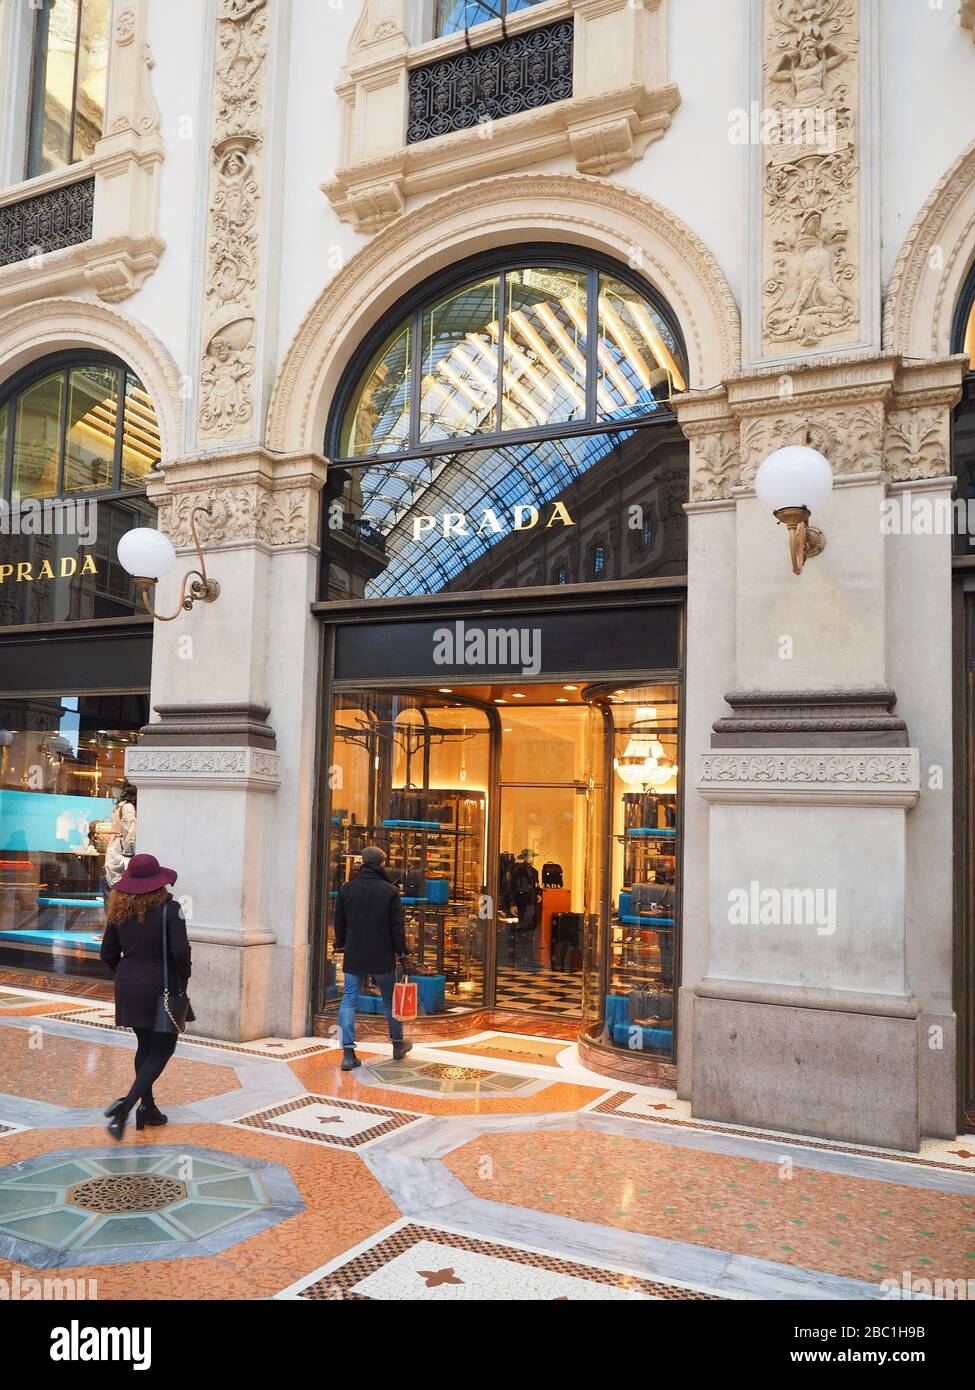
(121, 906)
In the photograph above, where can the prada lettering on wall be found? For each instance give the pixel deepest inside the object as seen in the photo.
(23, 571)
(65, 573)
(490, 522)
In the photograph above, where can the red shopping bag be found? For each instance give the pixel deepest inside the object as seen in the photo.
(404, 1000)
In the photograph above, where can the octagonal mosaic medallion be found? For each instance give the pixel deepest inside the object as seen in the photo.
(448, 1078)
(152, 1203)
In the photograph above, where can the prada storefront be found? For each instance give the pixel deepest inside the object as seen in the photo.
(504, 552)
(78, 434)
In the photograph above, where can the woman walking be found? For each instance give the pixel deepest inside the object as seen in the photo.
(137, 910)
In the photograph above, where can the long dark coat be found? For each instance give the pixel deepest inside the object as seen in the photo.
(369, 923)
(132, 950)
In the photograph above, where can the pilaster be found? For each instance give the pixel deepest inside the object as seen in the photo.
(224, 769)
(814, 788)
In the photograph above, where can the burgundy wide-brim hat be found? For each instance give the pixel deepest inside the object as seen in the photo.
(144, 875)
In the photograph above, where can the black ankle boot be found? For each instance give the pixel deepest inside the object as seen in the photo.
(118, 1115)
(349, 1060)
(149, 1114)
(400, 1049)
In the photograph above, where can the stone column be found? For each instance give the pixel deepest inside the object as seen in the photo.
(226, 769)
(817, 958)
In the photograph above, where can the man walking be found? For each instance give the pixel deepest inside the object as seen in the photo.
(369, 930)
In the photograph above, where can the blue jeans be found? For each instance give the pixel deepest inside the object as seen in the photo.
(350, 998)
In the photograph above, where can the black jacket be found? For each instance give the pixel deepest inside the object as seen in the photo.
(369, 923)
(132, 950)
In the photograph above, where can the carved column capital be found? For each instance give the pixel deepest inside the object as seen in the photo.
(253, 497)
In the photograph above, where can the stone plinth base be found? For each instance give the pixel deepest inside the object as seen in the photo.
(230, 986)
(837, 1073)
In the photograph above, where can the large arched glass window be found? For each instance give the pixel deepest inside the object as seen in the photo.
(78, 435)
(476, 436)
(82, 423)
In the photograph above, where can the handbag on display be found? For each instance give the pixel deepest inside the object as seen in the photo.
(172, 1007)
(404, 1000)
(652, 897)
(415, 885)
(552, 876)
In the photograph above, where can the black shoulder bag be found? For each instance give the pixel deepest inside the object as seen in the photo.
(173, 1008)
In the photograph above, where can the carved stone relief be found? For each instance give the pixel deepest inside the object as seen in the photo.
(810, 172)
(243, 513)
(918, 443)
(226, 405)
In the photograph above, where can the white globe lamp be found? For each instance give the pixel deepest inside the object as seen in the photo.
(792, 482)
(146, 554)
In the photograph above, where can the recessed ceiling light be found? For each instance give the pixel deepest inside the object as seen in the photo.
(570, 687)
(619, 692)
(518, 695)
(501, 702)
(561, 699)
(444, 690)
(508, 730)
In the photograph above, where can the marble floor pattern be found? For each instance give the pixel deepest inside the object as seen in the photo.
(495, 1167)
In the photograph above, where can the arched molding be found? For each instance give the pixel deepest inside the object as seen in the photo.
(573, 210)
(34, 331)
(930, 270)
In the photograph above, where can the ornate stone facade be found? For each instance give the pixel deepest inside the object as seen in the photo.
(764, 775)
(400, 138)
(95, 223)
(810, 174)
(227, 369)
(252, 499)
(250, 769)
(865, 415)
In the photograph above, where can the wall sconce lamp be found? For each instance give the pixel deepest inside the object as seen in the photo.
(148, 555)
(792, 483)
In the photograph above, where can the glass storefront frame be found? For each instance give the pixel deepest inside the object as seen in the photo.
(601, 682)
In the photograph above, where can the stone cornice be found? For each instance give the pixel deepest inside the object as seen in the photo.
(811, 776)
(879, 414)
(238, 769)
(254, 498)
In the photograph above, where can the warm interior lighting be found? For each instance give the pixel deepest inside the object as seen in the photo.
(517, 320)
(657, 345)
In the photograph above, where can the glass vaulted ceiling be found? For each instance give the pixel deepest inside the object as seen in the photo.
(490, 398)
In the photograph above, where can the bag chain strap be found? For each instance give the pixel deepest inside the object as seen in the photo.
(169, 1013)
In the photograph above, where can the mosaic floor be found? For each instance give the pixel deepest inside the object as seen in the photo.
(494, 1167)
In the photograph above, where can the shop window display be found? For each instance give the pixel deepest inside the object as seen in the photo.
(544, 817)
(635, 1010)
(410, 774)
(61, 770)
